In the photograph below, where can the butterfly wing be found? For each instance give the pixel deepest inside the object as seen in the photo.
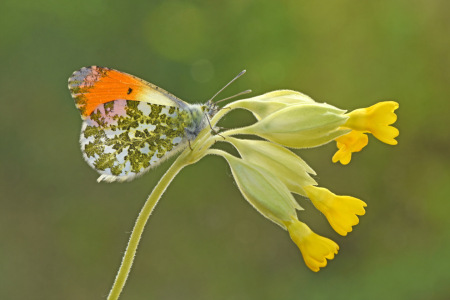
(123, 138)
(129, 125)
(92, 86)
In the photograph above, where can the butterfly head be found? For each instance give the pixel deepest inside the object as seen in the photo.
(210, 109)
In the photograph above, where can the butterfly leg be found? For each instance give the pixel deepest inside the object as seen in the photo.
(217, 133)
(214, 131)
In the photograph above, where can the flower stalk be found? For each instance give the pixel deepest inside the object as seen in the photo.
(150, 203)
(186, 158)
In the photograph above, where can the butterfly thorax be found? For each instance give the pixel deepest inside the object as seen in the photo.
(200, 114)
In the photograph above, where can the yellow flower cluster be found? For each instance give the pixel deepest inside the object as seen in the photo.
(268, 174)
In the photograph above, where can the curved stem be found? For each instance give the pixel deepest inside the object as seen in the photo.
(152, 200)
(222, 112)
(218, 152)
(241, 130)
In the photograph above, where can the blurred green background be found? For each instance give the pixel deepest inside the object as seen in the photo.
(63, 234)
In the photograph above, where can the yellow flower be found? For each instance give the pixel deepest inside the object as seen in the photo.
(315, 249)
(341, 211)
(376, 120)
(348, 143)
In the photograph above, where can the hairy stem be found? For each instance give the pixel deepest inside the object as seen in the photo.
(152, 200)
(241, 130)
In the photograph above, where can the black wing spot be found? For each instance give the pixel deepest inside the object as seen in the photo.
(129, 91)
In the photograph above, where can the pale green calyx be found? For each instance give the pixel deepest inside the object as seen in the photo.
(300, 126)
(293, 171)
(268, 103)
(263, 190)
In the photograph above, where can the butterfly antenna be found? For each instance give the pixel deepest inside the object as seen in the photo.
(237, 95)
(237, 76)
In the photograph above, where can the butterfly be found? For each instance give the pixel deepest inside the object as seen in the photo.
(130, 125)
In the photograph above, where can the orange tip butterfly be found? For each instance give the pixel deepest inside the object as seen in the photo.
(130, 125)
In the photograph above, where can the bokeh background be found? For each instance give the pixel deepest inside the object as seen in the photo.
(63, 235)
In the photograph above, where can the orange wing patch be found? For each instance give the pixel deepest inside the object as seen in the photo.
(95, 85)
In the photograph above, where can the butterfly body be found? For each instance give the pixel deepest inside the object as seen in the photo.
(130, 125)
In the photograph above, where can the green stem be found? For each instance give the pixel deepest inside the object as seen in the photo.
(218, 152)
(222, 112)
(152, 200)
(241, 130)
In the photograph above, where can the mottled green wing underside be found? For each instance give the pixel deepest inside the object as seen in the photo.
(122, 139)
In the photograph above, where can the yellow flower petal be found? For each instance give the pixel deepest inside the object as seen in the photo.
(376, 120)
(341, 211)
(348, 143)
(315, 249)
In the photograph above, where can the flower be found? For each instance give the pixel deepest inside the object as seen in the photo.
(376, 120)
(341, 211)
(303, 125)
(315, 249)
(348, 143)
(264, 191)
(293, 171)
